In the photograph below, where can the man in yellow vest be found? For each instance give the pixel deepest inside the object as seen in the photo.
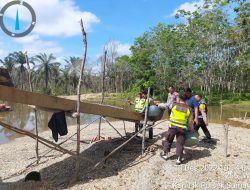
(202, 118)
(139, 103)
(179, 121)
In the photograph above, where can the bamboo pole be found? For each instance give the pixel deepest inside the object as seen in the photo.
(47, 152)
(35, 111)
(145, 122)
(103, 91)
(40, 139)
(221, 110)
(245, 117)
(122, 145)
(112, 126)
(124, 127)
(79, 98)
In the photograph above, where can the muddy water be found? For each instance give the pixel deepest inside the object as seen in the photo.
(22, 117)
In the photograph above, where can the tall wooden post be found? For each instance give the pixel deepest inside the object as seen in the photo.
(35, 111)
(226, 127)
(79, 98)
(221, 110)
(145, 122)
(103, 90)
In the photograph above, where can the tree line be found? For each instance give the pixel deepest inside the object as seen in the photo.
(209, 50)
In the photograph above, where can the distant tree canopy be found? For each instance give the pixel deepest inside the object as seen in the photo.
(208, 50)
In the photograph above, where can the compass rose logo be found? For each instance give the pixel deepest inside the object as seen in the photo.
(16, 27)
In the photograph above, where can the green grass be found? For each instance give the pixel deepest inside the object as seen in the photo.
(212, 99)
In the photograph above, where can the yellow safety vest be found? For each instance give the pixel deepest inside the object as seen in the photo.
(179, 116)
(139, 104)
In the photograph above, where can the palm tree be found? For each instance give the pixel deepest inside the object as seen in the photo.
(19, 59)
(46, 68)
(8, 63)
(64, 79)
(73, 66)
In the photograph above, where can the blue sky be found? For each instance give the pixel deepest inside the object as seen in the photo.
(58, 31)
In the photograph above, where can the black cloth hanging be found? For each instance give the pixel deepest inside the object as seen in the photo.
(58, 125)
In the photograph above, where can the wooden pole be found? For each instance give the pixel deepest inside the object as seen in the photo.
(48, 151)
(79, 98)
(40, 139)
(118, 148)
(103, 90)
(124, 127)
(145, 122)
(35, 111)
(124, 144)
(245, 116)
(112, 127)
(226, 127)
(221, 110)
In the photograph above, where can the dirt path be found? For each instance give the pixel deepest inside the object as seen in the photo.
(205, 166)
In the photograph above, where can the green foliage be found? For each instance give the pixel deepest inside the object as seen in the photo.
(202, 53)
(206, 51)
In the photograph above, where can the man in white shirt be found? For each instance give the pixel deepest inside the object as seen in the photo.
(173, 97)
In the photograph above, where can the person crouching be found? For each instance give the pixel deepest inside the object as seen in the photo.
(179, 120)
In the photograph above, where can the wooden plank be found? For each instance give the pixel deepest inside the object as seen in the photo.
(51, 102)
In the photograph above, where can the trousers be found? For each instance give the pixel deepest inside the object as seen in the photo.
(202, 125)
(173, 132)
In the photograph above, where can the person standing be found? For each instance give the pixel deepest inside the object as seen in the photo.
(173, 97)
(149, 101)
(179, 122)
(202, 117)
(193, 104)
(139, 107)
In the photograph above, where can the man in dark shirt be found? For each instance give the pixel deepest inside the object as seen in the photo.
(193, 104)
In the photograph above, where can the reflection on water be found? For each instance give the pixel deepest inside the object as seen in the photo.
(23, 117)
(218, 115)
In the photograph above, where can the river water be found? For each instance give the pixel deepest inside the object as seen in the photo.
(22, 117)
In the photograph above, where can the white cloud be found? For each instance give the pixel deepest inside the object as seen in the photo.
(2, 53)
(188, 6)
(116, 46)
(35, 45)
(57, 17)
(123, 49)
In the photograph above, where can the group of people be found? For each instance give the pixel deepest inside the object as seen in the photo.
(187, 112)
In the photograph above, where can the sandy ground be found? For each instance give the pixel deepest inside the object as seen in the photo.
(205, 166)
(92, 96)
(242, 120)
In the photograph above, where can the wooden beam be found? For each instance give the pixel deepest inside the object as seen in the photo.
(55, 103)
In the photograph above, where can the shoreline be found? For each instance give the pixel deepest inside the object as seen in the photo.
(127, 169)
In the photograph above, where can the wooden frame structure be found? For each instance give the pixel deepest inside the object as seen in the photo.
(53, 104)
(61, 104)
